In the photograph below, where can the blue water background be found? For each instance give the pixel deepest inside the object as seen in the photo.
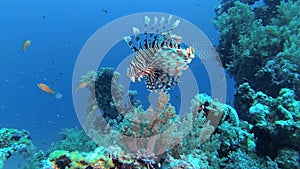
(58, 30)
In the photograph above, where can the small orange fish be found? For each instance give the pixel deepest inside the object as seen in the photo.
(26, 44)
(81, 85)
(45, 88)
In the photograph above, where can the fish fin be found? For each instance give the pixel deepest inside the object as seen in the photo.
(158, 36)
(57, 95)
(158, 80)
(159, 57)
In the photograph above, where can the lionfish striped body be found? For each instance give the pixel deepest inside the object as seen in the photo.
(159, 57)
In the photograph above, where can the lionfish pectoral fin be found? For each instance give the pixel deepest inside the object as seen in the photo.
(169, 19)
(132, 79)
(160, 81)
(185, 67)
(191, 51)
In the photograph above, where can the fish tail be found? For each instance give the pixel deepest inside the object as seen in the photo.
(23, 49)
(56, 95)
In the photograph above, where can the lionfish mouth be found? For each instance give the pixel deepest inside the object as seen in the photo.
(159, 57)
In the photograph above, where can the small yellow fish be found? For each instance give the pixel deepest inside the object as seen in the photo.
(26, 44)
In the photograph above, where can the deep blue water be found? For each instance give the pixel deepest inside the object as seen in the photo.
(58, 30)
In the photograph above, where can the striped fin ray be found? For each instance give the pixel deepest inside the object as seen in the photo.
(150, 54)
(139, 66)
(158, 80)
(161, 26)
(173, 61)
(159, 38)
(152, 40)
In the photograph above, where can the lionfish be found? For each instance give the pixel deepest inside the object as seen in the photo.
(159, 57)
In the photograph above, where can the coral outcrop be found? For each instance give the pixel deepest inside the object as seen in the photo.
(276, 120)
(259, 46)
(211, 135)
(14, 141)
(261, 41)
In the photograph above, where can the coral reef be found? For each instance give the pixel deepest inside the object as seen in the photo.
(104, 158)
(259, 46)
(202, 146)
(209, 136)
(14, 141)
(257, 41)
(276, 120)
(105, 91)
(261, 42)
(106, 95)
(73, 139)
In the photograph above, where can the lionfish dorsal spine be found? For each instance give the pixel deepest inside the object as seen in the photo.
(169, 19)
(147, 21)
